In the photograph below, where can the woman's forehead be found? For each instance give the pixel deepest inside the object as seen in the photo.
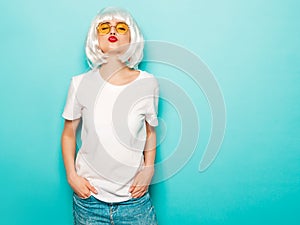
(113, 21)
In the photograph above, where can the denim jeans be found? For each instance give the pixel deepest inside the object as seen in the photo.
(91, 211)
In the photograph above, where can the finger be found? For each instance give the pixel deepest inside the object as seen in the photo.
(83, 194)
(91, 188)
(139, 190)
(132, 188)
(87, 192)
(139, 194)
(86, 195)
(135, 187)
(94, 190)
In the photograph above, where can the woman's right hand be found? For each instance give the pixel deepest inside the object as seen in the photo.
(81, 186)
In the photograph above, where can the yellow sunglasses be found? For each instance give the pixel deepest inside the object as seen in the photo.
(104, 28)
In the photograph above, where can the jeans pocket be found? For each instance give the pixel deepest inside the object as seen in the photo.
(141, 199)
(80, 198)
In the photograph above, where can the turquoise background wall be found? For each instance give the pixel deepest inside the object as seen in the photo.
(253, 49)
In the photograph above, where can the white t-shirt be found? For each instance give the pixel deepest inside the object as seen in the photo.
(113, 131)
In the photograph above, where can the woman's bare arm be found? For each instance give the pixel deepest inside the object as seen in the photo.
(143, 179)
(68, 141)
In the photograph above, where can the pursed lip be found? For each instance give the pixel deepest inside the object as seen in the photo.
(112, 38)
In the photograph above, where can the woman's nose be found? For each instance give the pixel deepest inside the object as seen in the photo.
(112, 30)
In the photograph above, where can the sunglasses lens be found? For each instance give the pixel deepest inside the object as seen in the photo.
(103, 28)
(122, 28)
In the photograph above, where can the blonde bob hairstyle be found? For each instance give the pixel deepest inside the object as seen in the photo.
(134, 54)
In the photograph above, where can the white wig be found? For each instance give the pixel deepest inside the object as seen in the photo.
(134, 54)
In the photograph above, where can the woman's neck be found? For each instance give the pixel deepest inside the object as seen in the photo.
(113, 68)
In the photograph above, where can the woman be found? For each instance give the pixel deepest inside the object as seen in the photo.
(117, 105)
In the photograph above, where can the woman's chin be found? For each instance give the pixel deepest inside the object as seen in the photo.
(116, 51)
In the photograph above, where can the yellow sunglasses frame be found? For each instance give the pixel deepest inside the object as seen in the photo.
(110, 26)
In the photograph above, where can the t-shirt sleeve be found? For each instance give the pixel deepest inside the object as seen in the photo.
(72, 108)
(152, 108)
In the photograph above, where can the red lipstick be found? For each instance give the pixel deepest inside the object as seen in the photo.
(112, 38)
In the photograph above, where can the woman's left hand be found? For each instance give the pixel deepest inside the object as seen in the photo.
(141, 182)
